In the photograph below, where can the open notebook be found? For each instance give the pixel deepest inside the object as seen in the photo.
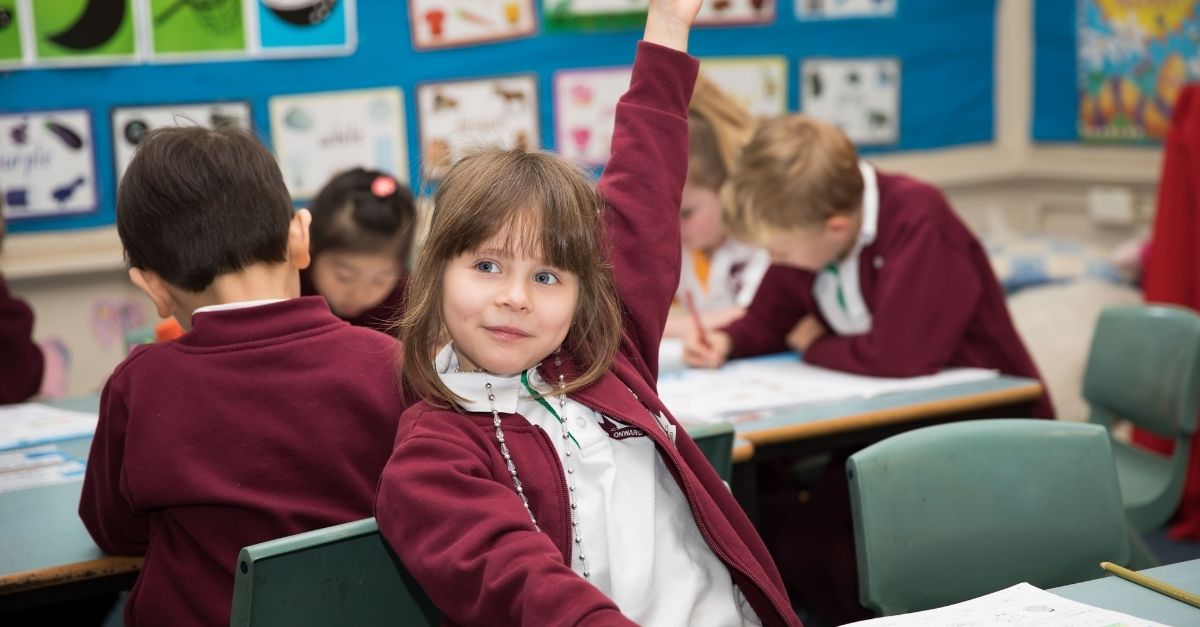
(1021, 604)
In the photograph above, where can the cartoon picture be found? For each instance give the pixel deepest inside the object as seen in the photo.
(861, 96)
(459, 116)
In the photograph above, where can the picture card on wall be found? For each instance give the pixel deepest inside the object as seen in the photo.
(448, 23)
(457, 117)
(299, 26)
(732, 12)
(837, 9)
(585, 105)
(83, 31)
(319, 135)
(47, 163)
(592, 15)
(11, 52)
(198, 28)
(860, 96)
(130, 124)
(757, 83)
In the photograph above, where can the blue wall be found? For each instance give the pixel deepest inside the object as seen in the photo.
(945, 48)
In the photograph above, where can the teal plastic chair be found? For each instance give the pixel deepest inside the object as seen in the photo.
(342, 575)
(1144, 367)
(716, 442)
(951, 512)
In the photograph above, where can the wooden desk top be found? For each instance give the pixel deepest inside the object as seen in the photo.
(863, 413)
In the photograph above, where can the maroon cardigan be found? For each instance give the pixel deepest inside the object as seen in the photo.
(257, 424)
(21, 360)
(934, 300)
(446, 502)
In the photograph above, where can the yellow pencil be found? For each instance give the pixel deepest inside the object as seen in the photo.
(1153, 584)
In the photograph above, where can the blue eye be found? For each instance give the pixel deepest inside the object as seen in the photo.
(547, 278)
(486, 266)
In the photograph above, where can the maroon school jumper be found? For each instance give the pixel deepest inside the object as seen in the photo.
(256, 424)
(379, 317)
(20, 359)
(927, 281)
(471, 544)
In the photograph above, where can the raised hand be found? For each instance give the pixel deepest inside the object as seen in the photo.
(669, 21)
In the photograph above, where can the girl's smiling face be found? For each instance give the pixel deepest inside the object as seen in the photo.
(505, 311)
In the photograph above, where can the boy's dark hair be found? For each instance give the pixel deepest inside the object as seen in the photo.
(197, 203)
(364, 211)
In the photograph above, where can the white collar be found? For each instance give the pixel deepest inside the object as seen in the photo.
(472, 386)
(241, 304)
(870, 205)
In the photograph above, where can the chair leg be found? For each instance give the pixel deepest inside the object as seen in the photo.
(1140, 555)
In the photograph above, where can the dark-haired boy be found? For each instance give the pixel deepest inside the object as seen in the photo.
(269, 417)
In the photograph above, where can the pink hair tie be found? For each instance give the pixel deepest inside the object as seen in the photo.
(383, 186)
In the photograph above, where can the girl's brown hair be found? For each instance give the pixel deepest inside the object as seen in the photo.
(543, 208)
(718, 127)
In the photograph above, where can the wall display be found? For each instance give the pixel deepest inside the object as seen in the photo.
(861, 96)
(592, 15)
(585, 105)
(195, 28)
(735, 12)
(306, 26)
(84, 31)
(47, 163)
(449, 23)
(10, 33)
(319, 135)
(838, 9)
(457, 117)
(758, 83)
(130, 124)
(1133, 60)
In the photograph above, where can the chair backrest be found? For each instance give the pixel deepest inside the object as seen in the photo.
(341, 575)
(950, 512)
(715, 440)
(1143, 366)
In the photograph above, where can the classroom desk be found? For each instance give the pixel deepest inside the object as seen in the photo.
(856, 423)
(46, 554)
(1114, 593)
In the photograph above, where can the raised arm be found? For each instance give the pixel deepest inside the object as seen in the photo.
(20, 357)
(643, 181)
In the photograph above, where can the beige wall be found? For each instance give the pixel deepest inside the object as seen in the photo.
(1031, 187)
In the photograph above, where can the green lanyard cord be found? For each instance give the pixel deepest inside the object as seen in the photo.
(537, 396)
(837, 278)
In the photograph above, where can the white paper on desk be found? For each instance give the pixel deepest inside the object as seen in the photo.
(28, 424)
(757, 385)
(37, 466)
(1021, 604)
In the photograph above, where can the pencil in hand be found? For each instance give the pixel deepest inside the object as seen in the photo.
(1178, 594)
(690, 302)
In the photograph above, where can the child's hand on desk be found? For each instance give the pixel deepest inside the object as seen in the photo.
(805, 333)
(698, 355)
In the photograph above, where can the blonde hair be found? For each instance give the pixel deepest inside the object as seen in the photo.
(542, 207)
(795, 173)
(718, 127)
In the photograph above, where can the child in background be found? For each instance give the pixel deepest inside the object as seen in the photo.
(362, 232)
(20, 358)
(269, 417)
(555, 488)
(719, 271)
(874, 272)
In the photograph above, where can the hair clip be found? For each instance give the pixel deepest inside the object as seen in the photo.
(383, 186)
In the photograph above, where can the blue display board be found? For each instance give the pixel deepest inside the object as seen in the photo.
(945, 50)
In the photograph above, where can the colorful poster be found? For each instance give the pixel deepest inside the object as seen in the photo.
(47, 163)
(861, 96)
(83, 31)
(130, 124)
(296, 25)
(732, 12)
(447, 23)
(585, 107)
(319, 135)
(1134, 57)
(590, 15)
(758, 83)
(197, 27)
(10, 33)
(838, 9)
(457, 117)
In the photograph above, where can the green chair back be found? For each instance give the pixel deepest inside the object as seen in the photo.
(1144, 366)
(716, 442)
(342, 575)
(950, 512)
